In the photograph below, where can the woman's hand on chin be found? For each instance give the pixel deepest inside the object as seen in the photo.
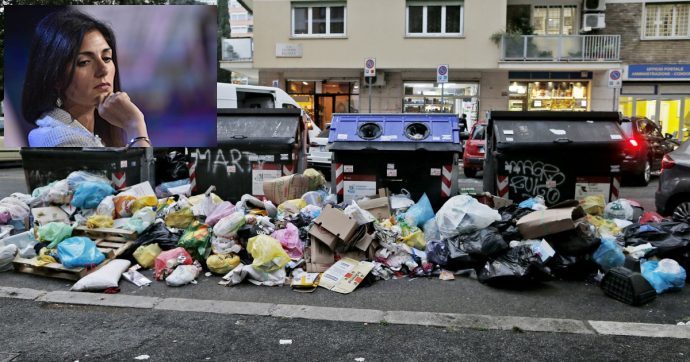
(118, 110)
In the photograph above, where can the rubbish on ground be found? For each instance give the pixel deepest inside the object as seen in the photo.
(166, 262)
(345, 275)
(609, 254)
(664, 275)
(285, 341)
(619, 209)
(133, 276)
(627, 286)
(106, 277)
(593, 205)
(267, 252)
(182, 275)
(463, 214)
(222, 264)
(146, 255)
(540, 223)
(7, 254)
(446, 275)
(79, 251)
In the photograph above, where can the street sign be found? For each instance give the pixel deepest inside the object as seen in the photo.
(442, 73)
(615, 78)
(370, 67)
(275, 83)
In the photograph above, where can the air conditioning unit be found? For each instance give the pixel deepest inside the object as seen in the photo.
(594, 5)
(593, 21)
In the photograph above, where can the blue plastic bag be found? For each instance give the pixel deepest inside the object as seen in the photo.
(79, 251)
(89, 194)
(664, 275)
(420, 212)
(609, 254)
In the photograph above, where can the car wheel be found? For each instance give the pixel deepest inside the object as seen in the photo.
(682, 212)
(643, 178)
(470, 172)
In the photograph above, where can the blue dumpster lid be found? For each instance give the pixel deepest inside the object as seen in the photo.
(269, 126)
(407, 130)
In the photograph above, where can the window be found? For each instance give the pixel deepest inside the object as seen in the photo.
(666, 21)
(318, 20)
(554, 19)
(440, 18)
(239, 16)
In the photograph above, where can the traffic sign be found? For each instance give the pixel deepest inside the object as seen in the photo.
(615, 78)
(370, 67)
(442, 73)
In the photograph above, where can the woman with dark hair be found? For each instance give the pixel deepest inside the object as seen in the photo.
(72, 89)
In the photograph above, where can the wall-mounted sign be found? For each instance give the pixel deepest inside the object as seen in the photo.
(288, 50)
(615, 78)
(442, 73)
(370, 67)
(658, 71)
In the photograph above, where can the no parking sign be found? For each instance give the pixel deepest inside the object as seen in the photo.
(370, 67)
(442, 73)
(615, 78)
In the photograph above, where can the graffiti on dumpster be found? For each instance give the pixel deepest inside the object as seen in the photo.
(220, 160)
(534, 178)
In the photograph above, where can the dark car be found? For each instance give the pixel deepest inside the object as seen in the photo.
(645, 147)
(473, 156)
(672, 197)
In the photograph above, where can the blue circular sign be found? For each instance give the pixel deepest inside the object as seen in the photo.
(615, 75)
(442, 70)
(370, 63)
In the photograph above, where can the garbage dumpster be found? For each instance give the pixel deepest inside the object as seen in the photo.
(253, 145)
(124, 167)
(416, 152)
(558, 155)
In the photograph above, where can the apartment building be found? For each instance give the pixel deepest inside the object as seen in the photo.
(316, 51)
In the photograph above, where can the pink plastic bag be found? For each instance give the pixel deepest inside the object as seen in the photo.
(289, 240)
(224, 209)
(167, 261)
(5, 217)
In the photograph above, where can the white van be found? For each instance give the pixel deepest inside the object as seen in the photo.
(253, 96)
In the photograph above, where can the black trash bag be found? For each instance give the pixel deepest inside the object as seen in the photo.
(670, 239)
(579, 241)
(459, 257)
(579, 267)
(172, 166)
(511, 233)
(508, 224)
(437, 252)
(518, 267)
(157, 233)
(483, 243)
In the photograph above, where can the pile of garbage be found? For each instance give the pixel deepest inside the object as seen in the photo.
(298, 234)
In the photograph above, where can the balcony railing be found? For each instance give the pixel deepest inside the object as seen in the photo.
(238, 49)
(585, 48)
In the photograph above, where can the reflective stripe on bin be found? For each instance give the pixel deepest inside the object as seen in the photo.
(192, 174)
(502, 186)
(446, 176)
(615, 186)
(119, 179)
(288, 169)
(339, 179)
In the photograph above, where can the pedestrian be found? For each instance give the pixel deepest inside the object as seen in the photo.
(463, 123)
(72, 89)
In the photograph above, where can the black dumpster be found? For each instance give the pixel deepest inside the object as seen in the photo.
(253, 145)
(124, 167)
(416, 152)
(558, 155)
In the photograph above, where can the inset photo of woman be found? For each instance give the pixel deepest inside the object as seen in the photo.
(110, 76)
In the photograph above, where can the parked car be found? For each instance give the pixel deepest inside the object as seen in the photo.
(672, 197)
(473, 156)
(645, 147)
(319, 157)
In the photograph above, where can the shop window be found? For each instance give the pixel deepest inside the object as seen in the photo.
(666, 21)
(318, 20)
(441, 18)
(554, 19)
(457, 98)
(548, 95)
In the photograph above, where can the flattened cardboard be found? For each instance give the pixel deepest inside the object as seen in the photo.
(323, 236)
(286, 188)
(354, 254)
(345, 275)
(337, 223)
(551, 221)
(379, 207)
(44, 215)
(317, 268)
(320, 253)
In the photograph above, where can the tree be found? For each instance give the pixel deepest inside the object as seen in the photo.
(222, 75)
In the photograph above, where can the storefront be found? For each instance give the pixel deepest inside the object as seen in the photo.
(458, 98)
(660, 92)
(324, 97)
(549, 91)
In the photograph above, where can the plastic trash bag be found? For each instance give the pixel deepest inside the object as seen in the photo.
(99, 221)
(517, 267)
(89, 194)
(141, 202)
(182, 275)
(579, 241)
(619, 209)
(140, 221)
(291, 206)
(360, 215)
(58, 193)
(431, 230)
(221, 245)
(415, 240)
(268, 253)
(7, 254)
(25, 243)
(222, 264)
(289, 239)
(145, 255)
(222, 210)
(173, 166)
(159, 234)
(106, 277)
(534, 203)
(593, 205)
(166, 262)
(167, 189)
(196, 240)
(604, 226)
(317, 198)
(310, 212)
(54, 232)
(464, 214)
(483, 243)
(180, 219)
(609, 254)
(229, 225)
(17, 208)
(403, 200)
(437, 252)
(650, 216)
(106, 207)
(251, 205)
(79, 251)
(316, 179)
(664, 275)
(123, 205)
(420, 212)
(74, 179)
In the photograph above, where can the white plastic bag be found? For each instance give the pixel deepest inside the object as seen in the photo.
(7, 254)
(619, 209)
(255, 276)
(16, 207)
(59, 193)
(464, 214)
(183, 274)
(106, 277)
(402, 200)
(360, 215)
(106, 207)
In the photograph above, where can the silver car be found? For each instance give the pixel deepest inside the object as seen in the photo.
(673, 195)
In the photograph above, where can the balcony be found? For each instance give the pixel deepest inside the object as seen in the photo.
(238, 50)
(560, 48)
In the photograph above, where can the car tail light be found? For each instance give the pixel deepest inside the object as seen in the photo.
(632, 143)
(667, 162)
(632, 146)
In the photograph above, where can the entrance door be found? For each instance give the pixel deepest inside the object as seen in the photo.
(670, 116)
(329, 104)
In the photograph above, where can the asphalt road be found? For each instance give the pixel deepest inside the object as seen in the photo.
(50, 332)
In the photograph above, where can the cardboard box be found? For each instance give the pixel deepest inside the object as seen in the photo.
(551, 221)
(379, 207)
(317, 268)
(336, 222)
(286, 188)
(492, 201)
(44, 215)
(323, 236)
(364, 243)
(345, 275)
(354, 255)
(320, 253)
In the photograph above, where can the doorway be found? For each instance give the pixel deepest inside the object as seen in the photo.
(327, 104)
